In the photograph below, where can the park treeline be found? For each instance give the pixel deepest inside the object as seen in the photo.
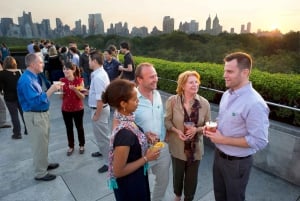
(276, 62)
(274, 54)
(276, 88)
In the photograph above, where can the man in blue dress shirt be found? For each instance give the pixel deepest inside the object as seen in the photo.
(35, 105)
(242, 129)
(150, 116)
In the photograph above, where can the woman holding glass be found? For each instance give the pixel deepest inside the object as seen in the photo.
(72, 105)
(186, 114)
(128, 152)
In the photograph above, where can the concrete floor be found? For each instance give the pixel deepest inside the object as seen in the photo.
(78, 179)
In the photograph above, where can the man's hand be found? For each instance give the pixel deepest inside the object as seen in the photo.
(152, 137)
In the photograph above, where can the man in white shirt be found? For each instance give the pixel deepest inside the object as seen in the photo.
(100, 112)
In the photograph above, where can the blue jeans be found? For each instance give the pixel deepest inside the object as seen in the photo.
(87, 79)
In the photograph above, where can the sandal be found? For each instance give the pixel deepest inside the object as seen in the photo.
(81, 150)
(70, 151)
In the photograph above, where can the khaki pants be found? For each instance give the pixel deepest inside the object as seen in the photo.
(102, 132)
(38, 128)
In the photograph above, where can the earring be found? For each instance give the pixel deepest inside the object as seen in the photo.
(124, 109)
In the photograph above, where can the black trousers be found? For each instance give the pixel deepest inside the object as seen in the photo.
(231, 178)
(14, 109)
(77, 116)
(185, 178)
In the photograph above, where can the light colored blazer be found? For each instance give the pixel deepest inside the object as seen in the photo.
(174, 117)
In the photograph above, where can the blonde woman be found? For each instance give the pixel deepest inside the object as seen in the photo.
(186, 142)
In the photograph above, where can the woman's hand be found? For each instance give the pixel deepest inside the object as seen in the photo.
(181, 135)
(152, 154)
(191, 132)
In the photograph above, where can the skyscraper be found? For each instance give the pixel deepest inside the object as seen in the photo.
(194, 26)
(96, 24)
(208, 25)
(249, 27)
(25, 23)
(242, 28)
(217, 28)
(168, 24)
(6, 24)
(78, 29)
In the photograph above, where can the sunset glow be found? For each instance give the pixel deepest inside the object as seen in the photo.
(264, 15)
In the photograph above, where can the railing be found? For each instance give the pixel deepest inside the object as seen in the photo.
(219, 91)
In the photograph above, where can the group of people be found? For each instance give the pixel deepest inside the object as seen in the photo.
(139, 121)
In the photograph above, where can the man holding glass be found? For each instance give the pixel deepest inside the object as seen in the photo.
(35, 105)
(150, 116)
(242, 130)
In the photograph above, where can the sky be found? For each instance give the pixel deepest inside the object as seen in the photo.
(266, 15)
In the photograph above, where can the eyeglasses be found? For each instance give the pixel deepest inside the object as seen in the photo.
(64, 68)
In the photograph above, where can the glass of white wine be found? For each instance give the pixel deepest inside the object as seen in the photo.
(60, 91)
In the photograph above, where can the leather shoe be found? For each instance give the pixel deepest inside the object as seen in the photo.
(48, 177)
(15, 136)
(5, 126)
(96, 154)
(52, 166)
(103, 169)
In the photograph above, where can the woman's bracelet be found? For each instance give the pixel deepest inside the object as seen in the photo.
(145, 159)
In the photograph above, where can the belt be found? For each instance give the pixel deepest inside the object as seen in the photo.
(39, 111)
(95, 108)
(230, 158)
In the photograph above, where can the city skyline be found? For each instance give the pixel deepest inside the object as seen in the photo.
(283, 15)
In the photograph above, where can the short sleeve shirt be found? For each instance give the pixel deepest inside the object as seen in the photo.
(126, 138)
(71, 102)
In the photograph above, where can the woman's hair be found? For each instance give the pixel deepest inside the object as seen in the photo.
(36, 48)
(10, 63)
(52, 51)
(73, 49)
(4, 45)
(113, 49)
(182, 79)
(118, 90)
(63, 49)
(73, 67)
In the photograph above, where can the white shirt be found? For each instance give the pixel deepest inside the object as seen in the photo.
(99, 82)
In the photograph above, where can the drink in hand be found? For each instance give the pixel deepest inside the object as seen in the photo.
(211, 126)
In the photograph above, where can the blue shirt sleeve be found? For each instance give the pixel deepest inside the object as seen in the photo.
(31, 95)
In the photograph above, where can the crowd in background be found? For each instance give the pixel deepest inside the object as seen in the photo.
(139, 121)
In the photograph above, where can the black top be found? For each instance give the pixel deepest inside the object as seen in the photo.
(54, 63)
(128, 59)
(84, 60)
(126, 138)
(8, 83)
(135, 186)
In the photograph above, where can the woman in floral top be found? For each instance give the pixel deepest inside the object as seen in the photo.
(129, 153)
(72, 105)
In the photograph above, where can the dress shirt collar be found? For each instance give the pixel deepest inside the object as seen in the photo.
(241, 90)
